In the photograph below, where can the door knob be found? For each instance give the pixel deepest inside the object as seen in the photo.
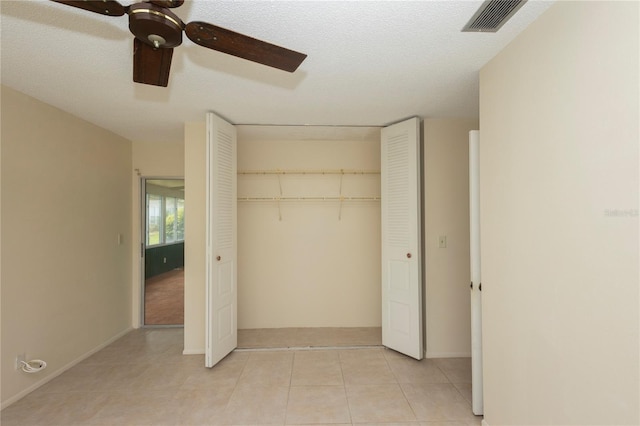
(408, 255)
(218, 258)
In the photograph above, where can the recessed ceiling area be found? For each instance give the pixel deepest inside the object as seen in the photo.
(370, 63)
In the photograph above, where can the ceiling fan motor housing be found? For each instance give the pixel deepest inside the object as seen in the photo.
(155, 26)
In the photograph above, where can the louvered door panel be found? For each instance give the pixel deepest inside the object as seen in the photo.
(222, 293)
(401, 239)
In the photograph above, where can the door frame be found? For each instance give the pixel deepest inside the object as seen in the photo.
(141, 246)
(420, 249)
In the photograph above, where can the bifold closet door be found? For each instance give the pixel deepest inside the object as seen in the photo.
(402, 320)
(221, 285)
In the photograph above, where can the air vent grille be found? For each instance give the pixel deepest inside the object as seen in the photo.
(492, 15)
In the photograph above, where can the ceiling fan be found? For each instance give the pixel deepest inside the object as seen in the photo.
(157, 31)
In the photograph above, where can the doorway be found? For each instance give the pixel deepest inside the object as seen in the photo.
(163, 252)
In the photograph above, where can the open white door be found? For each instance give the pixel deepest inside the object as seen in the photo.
(222, 292)
(476, 286)
(401, 239)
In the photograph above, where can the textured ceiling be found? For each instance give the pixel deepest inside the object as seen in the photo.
(369, 63)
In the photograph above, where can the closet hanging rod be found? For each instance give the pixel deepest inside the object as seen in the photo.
(344, 198)
(309, 172)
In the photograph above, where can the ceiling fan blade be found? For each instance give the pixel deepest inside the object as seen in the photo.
(107, 7)
(150, 65)
(167, 3)
(242, 46)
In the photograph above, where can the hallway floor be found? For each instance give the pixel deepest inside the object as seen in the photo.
(143, 379)
(164, 299)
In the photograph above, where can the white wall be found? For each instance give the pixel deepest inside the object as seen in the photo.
(66, 196)
(559, 219)
(446, 174)
(150, 159)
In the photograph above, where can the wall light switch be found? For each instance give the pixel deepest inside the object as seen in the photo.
(119, 239)
(442, 241)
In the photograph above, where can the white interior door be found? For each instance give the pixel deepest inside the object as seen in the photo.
(222, 291)
(401, 239)
(476, 293)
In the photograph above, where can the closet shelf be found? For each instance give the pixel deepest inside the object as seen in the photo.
(309, 172)
(333, 198)
(340, 198)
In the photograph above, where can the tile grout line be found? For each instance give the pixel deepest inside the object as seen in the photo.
(400, 386)
(344, 387)
(235, 388)
(452, 384)
(286, 408)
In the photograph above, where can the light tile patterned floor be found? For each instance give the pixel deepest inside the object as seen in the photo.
(143, 379)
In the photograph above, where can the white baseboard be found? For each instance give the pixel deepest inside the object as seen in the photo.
(193, 352)
(429, 354)
(61, 370)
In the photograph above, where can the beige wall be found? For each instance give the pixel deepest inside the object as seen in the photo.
(150, 159)
(317, 266)
(559, 219)
(66, 196)
(195, 148)
(446, 172)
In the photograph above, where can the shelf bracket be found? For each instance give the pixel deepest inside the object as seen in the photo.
(280, 188)
(341, 197)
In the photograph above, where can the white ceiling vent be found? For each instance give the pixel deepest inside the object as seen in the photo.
(492, 15)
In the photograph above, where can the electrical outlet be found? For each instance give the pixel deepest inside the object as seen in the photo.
(20, 358)
(442, 241)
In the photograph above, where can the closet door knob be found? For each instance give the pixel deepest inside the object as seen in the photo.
(408, 255)
(218, 258)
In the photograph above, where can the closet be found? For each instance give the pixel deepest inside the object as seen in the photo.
(309, 233)
(309, 230)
